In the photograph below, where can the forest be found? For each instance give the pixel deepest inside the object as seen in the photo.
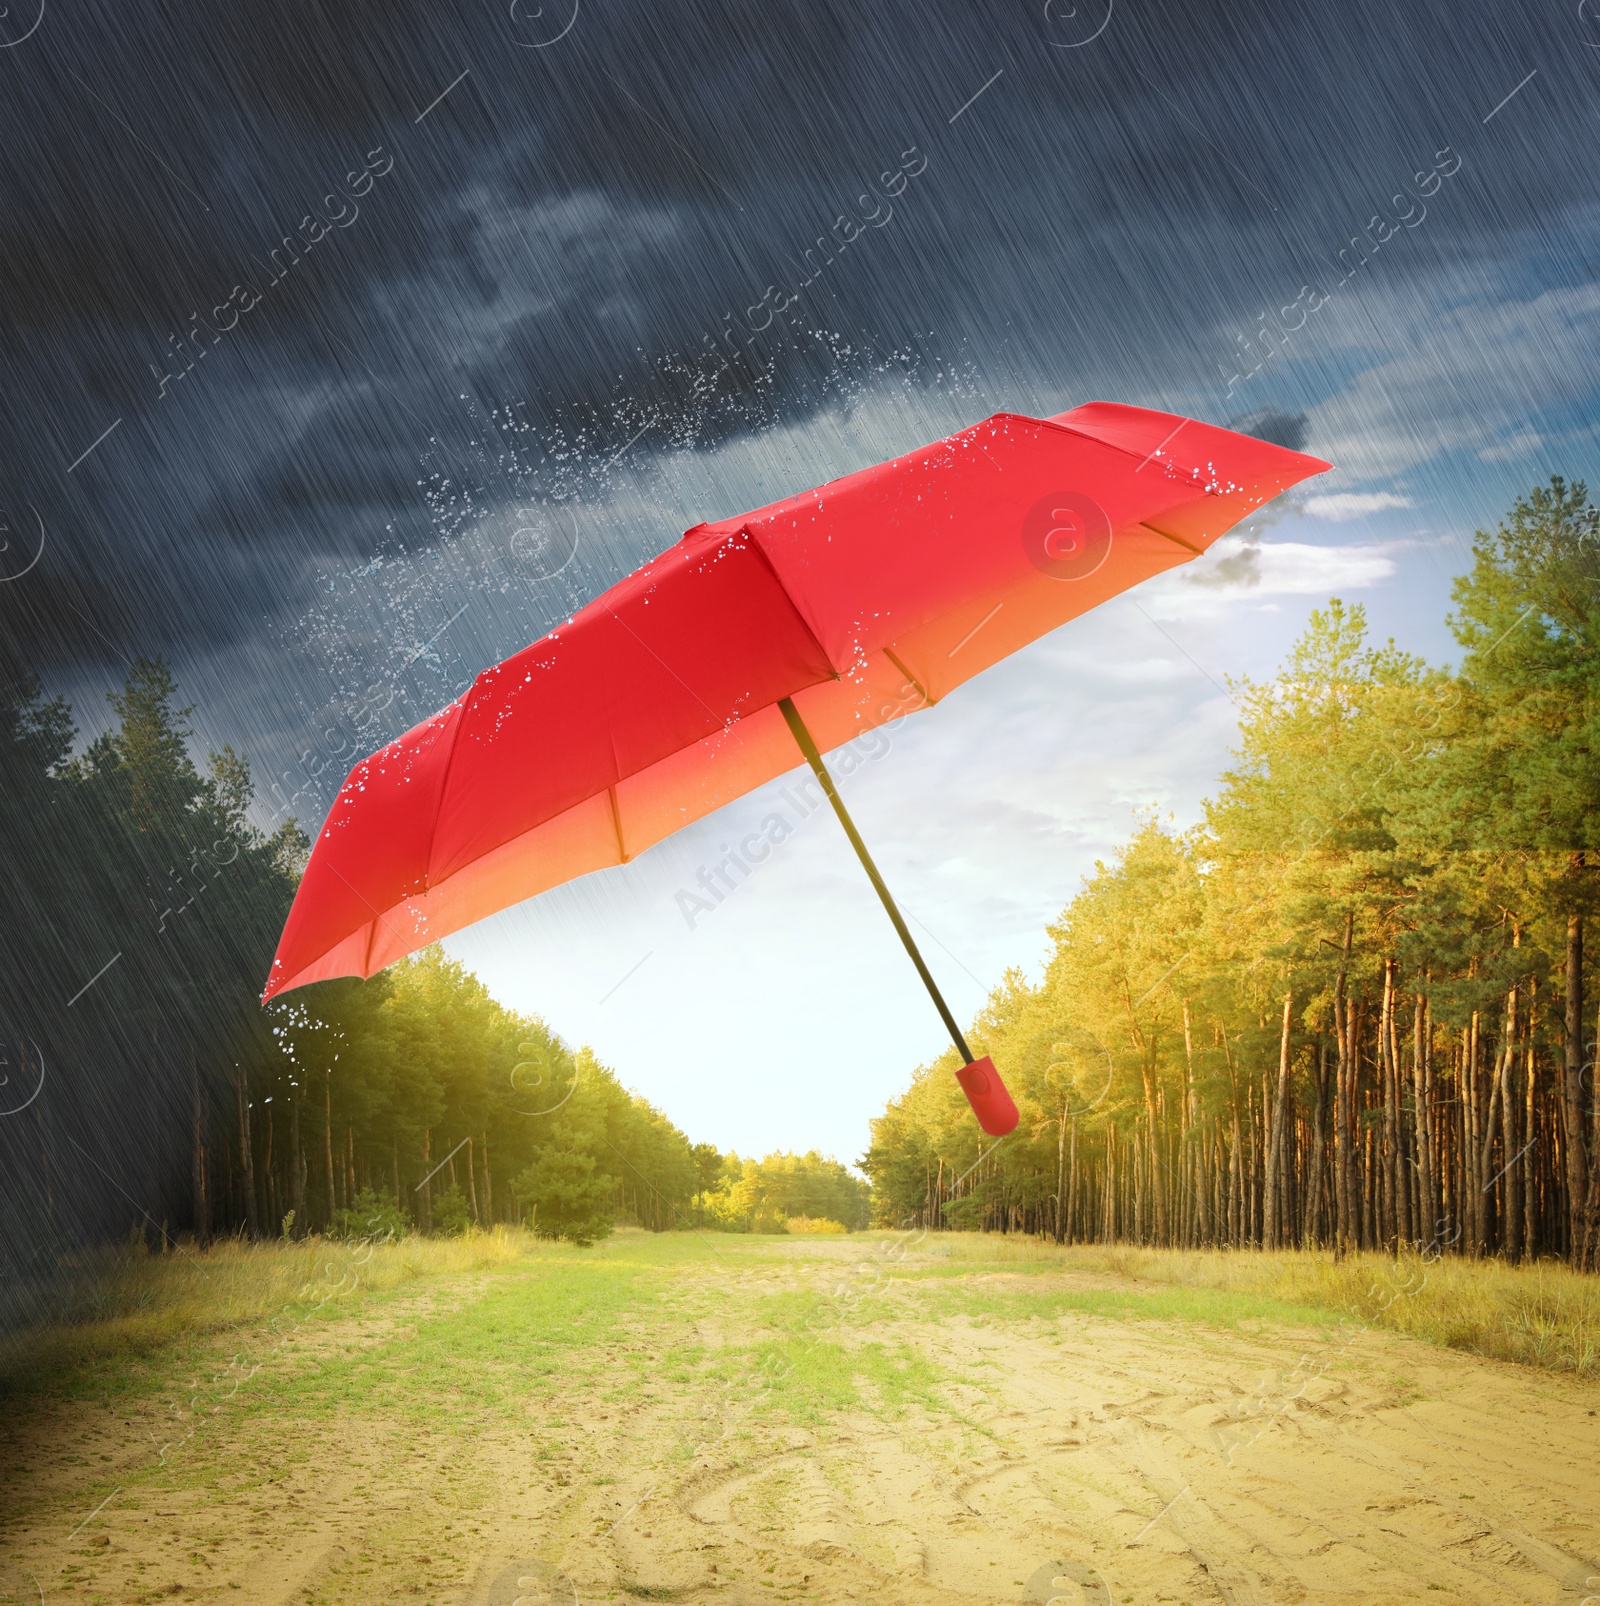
(142, 910)
(1348, 1008)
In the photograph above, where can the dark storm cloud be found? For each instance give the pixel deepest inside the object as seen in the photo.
(549, 265)
(1282, 429)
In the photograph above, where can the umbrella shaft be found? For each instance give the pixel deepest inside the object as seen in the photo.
(802, 736)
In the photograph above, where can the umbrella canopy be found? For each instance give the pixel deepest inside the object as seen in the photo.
(659, 702)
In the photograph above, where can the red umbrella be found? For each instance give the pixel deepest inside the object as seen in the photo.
(694, 680)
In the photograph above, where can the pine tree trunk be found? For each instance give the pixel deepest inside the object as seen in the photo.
(327, 1146)
(1591, 1224)
(1529, 1163)
(247, 1159)
(1201, 1231)
(1391, 1115)
(1404, 1146)
(297, 1160)
(1427, 1224)
(1205, 1184)
(1219, 1182)
(1343, 1101)
(1577, 1167)
(1112, 1183)
(1072, 1184)
(1158, 1207)
(1480, 1140)
(1235, 1184)
(1273, 1226)
(1060, 1232)
(269, 1181)
(1486, 1177)
(202, 1202)
(1510, 1138)
(1314, 1225)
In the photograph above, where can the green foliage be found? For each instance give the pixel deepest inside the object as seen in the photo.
(135, 859)
(420, 1064)
(142, 909)
(1446, 821)
(376, 1215)
(450, 1211)
(568, 1196)
(765, 1195)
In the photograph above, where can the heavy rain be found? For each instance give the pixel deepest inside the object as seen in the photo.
(523, 1080)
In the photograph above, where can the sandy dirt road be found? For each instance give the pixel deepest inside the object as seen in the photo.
(859, 1420)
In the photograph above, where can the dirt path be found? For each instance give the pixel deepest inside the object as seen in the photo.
(780, 1421)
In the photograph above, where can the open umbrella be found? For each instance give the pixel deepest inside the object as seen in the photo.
(795, 627)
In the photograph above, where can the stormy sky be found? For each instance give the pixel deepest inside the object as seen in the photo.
(347, 349)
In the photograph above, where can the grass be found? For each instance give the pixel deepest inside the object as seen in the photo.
(522, 1337)
(149, 1306)
(947, 1286)
(141, 1304)
(802, 1368)
(1543, 1315)
(229, 1415)
(806, 1378)
(1209, 1307)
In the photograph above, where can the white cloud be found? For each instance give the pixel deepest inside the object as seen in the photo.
(1344, 505)
(1239, 566)
(1470, 374)
(1520, 445)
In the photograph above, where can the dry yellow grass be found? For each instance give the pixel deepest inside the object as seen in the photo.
(1543, 1315)
(137, 1303)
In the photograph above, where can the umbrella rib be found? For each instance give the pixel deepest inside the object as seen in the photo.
(444, 781)
(377, 917)
(616, 824)
(808, 746)
(1177, 540)
(722, 720)
(921, 690)
(777, 579)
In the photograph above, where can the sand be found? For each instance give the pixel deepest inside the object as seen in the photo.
(1072, 1457)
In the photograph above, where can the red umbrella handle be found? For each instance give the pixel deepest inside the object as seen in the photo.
(986, 1093)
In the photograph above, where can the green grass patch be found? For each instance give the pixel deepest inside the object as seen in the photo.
(551, 1324)
(806, 1377)
(1209, 1307)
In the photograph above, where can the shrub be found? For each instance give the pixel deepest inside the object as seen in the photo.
(371, 1215)
(569, 1196)
(815, 1226)
(451, 1212)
